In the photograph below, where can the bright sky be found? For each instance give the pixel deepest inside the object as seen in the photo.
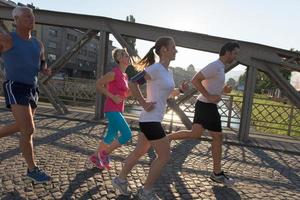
(269, 22)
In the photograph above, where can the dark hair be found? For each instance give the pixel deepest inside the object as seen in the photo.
(149, 58)
(229, 46)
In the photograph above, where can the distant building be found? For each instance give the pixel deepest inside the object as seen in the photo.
(295, 80)
(191, 69)
(58, 40)
(180, 75)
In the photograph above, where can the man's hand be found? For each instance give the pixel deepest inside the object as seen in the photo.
(227, 89)
(184, 86)
(47, 71)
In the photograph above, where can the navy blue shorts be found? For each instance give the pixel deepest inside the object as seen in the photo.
(208, 116)
(20, 93)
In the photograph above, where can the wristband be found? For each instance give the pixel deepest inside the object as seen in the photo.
(139, 78)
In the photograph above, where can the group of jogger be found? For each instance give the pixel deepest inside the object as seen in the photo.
(24, 58)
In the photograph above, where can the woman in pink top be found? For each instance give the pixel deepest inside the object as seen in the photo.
(114, 85)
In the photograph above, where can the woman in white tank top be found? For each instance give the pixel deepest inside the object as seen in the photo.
(160, 85)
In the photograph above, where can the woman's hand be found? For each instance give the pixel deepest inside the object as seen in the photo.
(148, 106)
(184, 86)
(117, 99)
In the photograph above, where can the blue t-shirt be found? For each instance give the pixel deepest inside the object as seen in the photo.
(22, 60)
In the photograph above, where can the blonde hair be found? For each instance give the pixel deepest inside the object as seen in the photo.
(118, 53)
(17, 11)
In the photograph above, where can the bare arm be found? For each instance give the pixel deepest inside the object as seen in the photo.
(136, 92)
(101, 82)
(42, 55)
(175, 93)
(100, 87)
(182, 88)
(227, 89)
(5, 42)
(197, 82)
(129, 93)
(44, 67)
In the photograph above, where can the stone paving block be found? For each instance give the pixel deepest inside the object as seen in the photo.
(62, 147)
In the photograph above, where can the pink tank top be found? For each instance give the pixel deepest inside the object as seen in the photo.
(119, 86)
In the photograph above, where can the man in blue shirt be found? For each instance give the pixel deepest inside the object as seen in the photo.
(23, 58)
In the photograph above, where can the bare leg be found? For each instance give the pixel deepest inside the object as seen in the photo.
(24, 120)
(162, 149)
(141, 148)
(109, 148)
(217, 141)
(114, 145)
(102, 146)
(195, 133)
(9, 130)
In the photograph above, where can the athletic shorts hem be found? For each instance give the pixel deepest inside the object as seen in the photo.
(152, 130)
(207, 115)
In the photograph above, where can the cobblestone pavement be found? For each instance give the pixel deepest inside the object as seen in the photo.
(62, 147)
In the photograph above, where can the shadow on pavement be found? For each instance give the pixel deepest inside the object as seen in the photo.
(79, 179)
(12, 196)
(223, 193)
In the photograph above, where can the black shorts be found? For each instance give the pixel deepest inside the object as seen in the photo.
(20, 93)
(208, 116)
(152, 130)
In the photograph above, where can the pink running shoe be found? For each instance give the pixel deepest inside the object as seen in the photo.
(95, 161)
(104, 159)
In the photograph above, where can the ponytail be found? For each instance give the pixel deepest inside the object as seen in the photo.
(148, 59)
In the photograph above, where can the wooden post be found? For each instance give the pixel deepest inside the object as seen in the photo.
(230, 107)
(101, 63)
(290, 120)
(247, 103)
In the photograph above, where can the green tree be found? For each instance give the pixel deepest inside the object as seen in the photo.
(263, 82)
(242, 79)
(294, 50)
